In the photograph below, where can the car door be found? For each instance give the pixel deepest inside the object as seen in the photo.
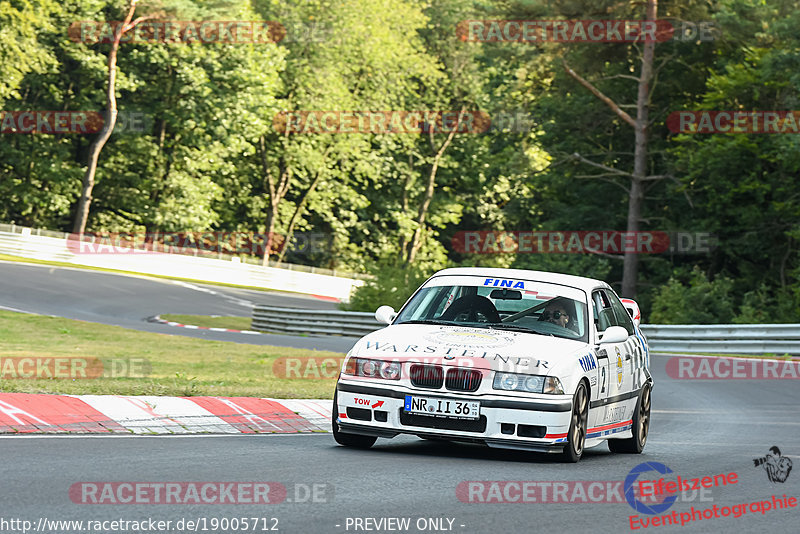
(633, 350)
(613, 382)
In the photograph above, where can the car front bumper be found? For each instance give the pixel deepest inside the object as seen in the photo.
(536, 423)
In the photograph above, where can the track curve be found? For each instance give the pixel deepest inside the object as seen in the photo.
(127, 301)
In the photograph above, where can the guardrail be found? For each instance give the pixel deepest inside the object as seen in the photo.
(731, 338)
(52, 246)
(314, 322)
(725, 338)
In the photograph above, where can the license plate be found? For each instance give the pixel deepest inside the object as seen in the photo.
(443, 407)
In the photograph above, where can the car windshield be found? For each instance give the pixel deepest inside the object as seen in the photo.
(497, 303)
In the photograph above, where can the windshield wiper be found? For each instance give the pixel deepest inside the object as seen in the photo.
(514, 327)
(425, 321)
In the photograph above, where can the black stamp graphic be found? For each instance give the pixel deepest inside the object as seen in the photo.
(777, 467)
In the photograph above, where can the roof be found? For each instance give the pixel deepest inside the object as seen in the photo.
(586, 284)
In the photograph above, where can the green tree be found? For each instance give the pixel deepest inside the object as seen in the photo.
(23, 22)
(696, 300)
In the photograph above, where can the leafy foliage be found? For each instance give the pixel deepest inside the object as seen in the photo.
(695, 301)
(207, 149)
(392, 285)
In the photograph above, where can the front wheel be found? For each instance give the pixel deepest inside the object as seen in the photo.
(640, 427)
(576, 438)
(348, 440)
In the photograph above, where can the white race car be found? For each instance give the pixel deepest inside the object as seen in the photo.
(510, 358)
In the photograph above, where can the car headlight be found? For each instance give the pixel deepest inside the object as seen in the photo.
(372, 368)
(529, 383)
(389, 370)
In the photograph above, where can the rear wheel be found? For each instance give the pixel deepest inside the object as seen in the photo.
(348, 440)
(640, 427)
(576, 438)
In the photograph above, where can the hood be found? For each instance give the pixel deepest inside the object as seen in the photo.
(503, 350)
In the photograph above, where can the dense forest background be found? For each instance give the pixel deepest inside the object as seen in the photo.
(210, 158)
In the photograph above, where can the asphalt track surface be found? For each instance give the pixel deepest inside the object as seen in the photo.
(699, 428)
(128, 301)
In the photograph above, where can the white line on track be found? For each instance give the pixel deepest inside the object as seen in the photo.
(235, 300)
(9, 308)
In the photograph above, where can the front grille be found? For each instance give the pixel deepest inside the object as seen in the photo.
(463, 380)
(443, 423)
(427, 376)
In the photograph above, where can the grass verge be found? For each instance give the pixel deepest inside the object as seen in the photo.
(176, 365)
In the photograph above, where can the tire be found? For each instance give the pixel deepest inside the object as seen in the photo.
(576, 438)
(640, 427)
(348, 440)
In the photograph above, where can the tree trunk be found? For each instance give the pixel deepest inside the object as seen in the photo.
(630, 268)
(301, 204)
(416, 240)
(298, 210)
(403, 241)
(277, 191)
(85, 200)
(272, 215)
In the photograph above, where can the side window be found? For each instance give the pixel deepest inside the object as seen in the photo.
(604, 315)
(622, 315)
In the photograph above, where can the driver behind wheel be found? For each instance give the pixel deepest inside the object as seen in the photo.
(472, 307)
(559, 311)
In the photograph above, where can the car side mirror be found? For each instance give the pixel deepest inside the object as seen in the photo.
(385, 314)
(613, 334)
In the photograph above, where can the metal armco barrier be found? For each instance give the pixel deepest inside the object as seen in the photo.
(728, 338)
(725, 338)
(314, 322)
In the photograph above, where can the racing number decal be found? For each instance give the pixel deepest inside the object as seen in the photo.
(637, 358)
(602, 354)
